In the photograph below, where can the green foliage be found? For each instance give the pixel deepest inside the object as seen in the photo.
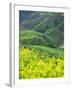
(36, 64)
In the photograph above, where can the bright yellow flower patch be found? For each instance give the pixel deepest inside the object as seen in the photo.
(33, 64)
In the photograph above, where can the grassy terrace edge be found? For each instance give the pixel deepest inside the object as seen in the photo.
(51, 51)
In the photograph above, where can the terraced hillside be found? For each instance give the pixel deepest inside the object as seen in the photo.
(51, 25)
(41, 35)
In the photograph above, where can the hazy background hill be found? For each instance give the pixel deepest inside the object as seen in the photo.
(41, 28)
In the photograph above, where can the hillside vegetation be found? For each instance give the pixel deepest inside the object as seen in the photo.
(41, 35)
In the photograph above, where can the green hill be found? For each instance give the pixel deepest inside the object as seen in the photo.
(41, 28)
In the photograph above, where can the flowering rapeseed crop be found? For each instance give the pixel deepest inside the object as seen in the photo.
(35, 64)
